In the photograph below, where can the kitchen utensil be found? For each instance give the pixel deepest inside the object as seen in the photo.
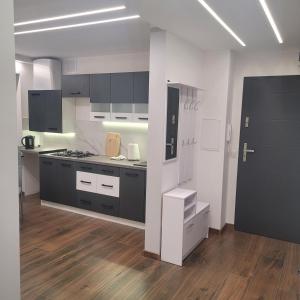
(113, 143)
(133, 152)
(28, 142)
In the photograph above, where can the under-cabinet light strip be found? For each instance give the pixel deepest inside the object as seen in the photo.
(271, 20)
(69, 16)
(78, 25)
(216, 16)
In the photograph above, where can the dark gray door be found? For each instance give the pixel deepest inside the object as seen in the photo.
(132, 194)
(141, 87)
(37, 110)
(53, 116)
(121, 88)
(100, 88)
(268, 189)
(76, 85)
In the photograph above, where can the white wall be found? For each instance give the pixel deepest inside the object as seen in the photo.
(213, 111)
(172, 59)
(262, 63)
(9, 212)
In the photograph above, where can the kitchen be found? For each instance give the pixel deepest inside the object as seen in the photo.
(136, 154)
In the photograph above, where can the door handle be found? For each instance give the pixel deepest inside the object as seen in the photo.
(245, 151)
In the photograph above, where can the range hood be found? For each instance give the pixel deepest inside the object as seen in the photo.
(47, 74)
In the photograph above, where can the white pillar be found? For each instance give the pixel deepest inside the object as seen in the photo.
(9, 211)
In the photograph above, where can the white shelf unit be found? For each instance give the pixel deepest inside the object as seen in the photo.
(125, 112)
(184, 224)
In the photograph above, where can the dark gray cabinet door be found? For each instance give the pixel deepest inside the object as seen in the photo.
(53, 114)
(100, 88)
(141, 87)
(48, 179)
(66, 182)
(37, 110)
(121, 88)
(132, 194)
(76, 85)
(172, 123)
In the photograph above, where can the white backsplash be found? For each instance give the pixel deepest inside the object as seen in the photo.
(90, 136)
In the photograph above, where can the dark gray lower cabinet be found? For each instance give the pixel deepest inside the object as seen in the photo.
(58, 181)
(132, 194)
(99, 203)
(48, 175)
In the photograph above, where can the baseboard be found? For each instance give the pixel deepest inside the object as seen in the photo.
(220, 231)
(32, 196)
(151, 255)
(95, 215)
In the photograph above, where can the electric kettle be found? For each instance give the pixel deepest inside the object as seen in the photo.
(28, 142)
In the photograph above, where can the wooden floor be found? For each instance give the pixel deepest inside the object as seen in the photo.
(68, 256)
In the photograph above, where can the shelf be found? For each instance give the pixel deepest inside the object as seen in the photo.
(179, 85)
(190, 205)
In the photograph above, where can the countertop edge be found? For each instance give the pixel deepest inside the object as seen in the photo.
(113, 163)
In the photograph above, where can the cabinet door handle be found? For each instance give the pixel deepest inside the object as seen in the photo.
(121, 118)
(107, 171)
(99, 117)
(86, 168)
(131, 174)
(75, 93)
(107, 186)
(107, 206)
(144, 119)
(83, 201)
(49, 163)
(35, 94)
(85, 182)
(52, 128)
(66, 165)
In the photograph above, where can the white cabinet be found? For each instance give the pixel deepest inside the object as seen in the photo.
(184, 224)
(98, 184)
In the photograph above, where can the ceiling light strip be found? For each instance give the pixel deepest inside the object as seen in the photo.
(271, 20)
(216, 16)
(78, 25)
(81, 14)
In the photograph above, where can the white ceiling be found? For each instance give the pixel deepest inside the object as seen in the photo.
(186, 18)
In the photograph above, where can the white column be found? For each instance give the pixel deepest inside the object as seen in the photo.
(9, 212)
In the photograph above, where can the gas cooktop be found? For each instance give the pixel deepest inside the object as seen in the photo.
(73, 154)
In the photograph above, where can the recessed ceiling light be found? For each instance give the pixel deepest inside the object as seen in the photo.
(271, 20)
(215, 15)
(78, 25)
(81, 14)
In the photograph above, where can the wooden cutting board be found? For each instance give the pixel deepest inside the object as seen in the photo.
(113, 143)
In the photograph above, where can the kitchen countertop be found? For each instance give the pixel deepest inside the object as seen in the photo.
(101, 160)
(40, 150)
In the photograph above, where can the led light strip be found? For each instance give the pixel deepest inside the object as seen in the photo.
(78, 25)
(86, 13)
(215, 15)
(271, 20)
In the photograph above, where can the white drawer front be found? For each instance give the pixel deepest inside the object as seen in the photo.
(99, 116)
(191, 235)
(108, 185)
(86, 182)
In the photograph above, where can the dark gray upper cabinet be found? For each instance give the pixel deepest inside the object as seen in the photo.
(100, 88)
(132, 194)
(45, 111)
(141, 87)
(76, 85)
(121, 88)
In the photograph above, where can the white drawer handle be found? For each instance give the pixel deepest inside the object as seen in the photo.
(107, 186)
(85, 182)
